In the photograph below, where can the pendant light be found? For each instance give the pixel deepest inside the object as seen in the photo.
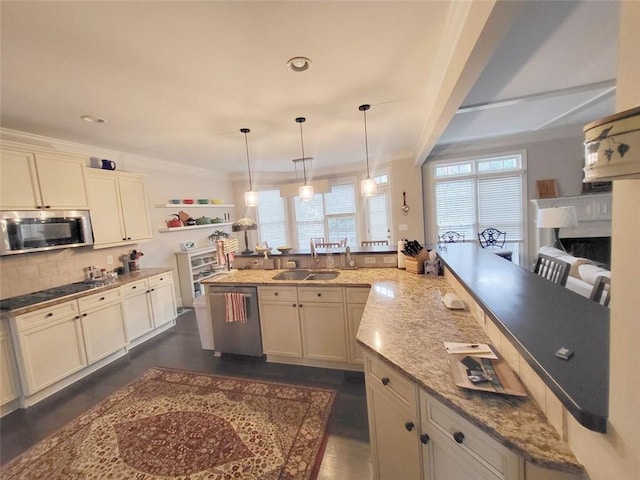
(305, 192)
(368, 187)
(250, 197)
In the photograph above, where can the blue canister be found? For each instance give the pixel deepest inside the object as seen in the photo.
(108, 164)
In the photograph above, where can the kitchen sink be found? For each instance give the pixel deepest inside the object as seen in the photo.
(306, 275)
(322, 275)
(292, 275)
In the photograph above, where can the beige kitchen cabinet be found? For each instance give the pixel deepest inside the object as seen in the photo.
(9, 380)
(393, 423)
(119, 209)
(102, 324)
(162, 299)
(280, 321)
(136, 309)
(49, 345)
(322, 323)
(38, 180)
(356, 300)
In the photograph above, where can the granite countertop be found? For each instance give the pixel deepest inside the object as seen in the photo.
(390, 249)
(122, 280)
(405, 324)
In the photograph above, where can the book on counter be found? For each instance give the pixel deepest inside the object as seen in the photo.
(476, 366)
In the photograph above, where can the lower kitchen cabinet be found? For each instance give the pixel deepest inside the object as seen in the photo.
(136, 309)
(9, 380)
(102, 324)
(306, 323)
(356, 299)
(163, 300)
(49, 345)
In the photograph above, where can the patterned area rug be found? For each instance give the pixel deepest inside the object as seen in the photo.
(175, 424)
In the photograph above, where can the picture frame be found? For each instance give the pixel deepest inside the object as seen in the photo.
(547, 188)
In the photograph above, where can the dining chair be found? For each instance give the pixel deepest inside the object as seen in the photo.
(552, 269)
(451, 237)
(373, 243)
(601, 292)
(494, 239)
(317, 240)
(328, 245)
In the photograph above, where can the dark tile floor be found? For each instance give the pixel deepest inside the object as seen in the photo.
(347, 455)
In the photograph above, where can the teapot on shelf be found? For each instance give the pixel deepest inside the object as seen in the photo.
(174, 221)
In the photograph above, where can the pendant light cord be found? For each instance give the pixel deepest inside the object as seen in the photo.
(246, 144)
(301, 120)
(364, 109)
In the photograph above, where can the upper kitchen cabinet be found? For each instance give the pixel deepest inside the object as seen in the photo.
(40, 180)
(119, 210)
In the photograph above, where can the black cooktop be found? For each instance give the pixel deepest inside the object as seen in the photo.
(45, 295)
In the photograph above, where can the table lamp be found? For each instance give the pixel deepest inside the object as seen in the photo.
(557, 218)
(242, 225)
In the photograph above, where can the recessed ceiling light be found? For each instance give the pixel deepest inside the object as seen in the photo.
(298, 64)
(92, 119)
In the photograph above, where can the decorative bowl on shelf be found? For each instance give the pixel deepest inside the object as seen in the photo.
(284, 249)
(262, 248)
(203, 221)
(217, 201)
(174, 201)
(203, 201)
(188, 201)
(216, 220)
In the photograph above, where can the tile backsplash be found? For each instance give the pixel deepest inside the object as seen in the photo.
(31, 272)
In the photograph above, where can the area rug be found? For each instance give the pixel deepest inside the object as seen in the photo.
(175, 424)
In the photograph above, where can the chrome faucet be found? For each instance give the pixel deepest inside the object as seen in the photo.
(314, 254)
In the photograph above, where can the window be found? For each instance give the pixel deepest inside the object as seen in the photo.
(472, 195)
(272, 218)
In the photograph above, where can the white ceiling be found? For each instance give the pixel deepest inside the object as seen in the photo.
(177, 80)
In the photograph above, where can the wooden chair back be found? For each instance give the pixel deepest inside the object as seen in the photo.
(552, 269)
(601, 292)
(373, 243)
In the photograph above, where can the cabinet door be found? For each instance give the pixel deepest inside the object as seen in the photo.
(106, 215)
(50, 353)
(135, 211)
(9, 389)
(394, 430)
(354, 315)
(18, 181)
(444, 463)
(103, 330)
(62, 182)
(138, 318)
(323, 331)
(280, 327)
(163, 304)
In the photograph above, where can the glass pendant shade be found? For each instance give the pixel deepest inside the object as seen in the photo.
(305, 192)
(251, 198)
(368, 187)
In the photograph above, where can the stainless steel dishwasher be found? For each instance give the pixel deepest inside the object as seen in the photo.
(235, 337)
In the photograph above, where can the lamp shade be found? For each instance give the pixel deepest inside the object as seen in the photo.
(557, 217)
(243, 224)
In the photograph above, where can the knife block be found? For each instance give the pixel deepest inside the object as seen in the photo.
(416, 264)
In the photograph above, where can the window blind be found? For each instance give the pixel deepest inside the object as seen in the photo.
(456, 206)
(500, 205)
(271, 218)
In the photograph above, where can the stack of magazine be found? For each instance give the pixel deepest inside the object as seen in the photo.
(477, 367)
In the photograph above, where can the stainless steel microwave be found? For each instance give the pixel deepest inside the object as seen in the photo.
(36, 231)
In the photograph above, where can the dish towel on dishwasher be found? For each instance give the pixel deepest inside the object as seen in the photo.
(235, 307)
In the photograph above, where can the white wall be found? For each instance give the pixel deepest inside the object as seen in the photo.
(616, 454)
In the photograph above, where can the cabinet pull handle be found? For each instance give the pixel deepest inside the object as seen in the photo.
(49, 314)
(47, 206)
(84, 314)
(101, 298)
(458, 437)
(300, 305)
(319, 294)
(153, 289)
(123, 238)
(424, 438)
(161, 278)
(76, 317)
(275, 294)
(293, 305)
(134, 287)
(409, 426)
(39, 207)
(385, 380)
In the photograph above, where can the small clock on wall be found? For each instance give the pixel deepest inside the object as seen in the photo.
(186, 246)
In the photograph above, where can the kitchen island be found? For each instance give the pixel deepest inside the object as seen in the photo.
(404, 325)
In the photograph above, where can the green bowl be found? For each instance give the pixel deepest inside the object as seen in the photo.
(203, 201)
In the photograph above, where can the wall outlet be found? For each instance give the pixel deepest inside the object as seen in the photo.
(109, 259)
(369, 260)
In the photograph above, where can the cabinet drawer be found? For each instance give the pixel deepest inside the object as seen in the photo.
(271, 294)
(134, 288)
(469, 438)
(320, 294)
(46, 315)
(98, 299)
(159, 280)
(357, 295)
(391, 380)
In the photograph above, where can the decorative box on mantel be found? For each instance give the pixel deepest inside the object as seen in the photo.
(612, 147)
